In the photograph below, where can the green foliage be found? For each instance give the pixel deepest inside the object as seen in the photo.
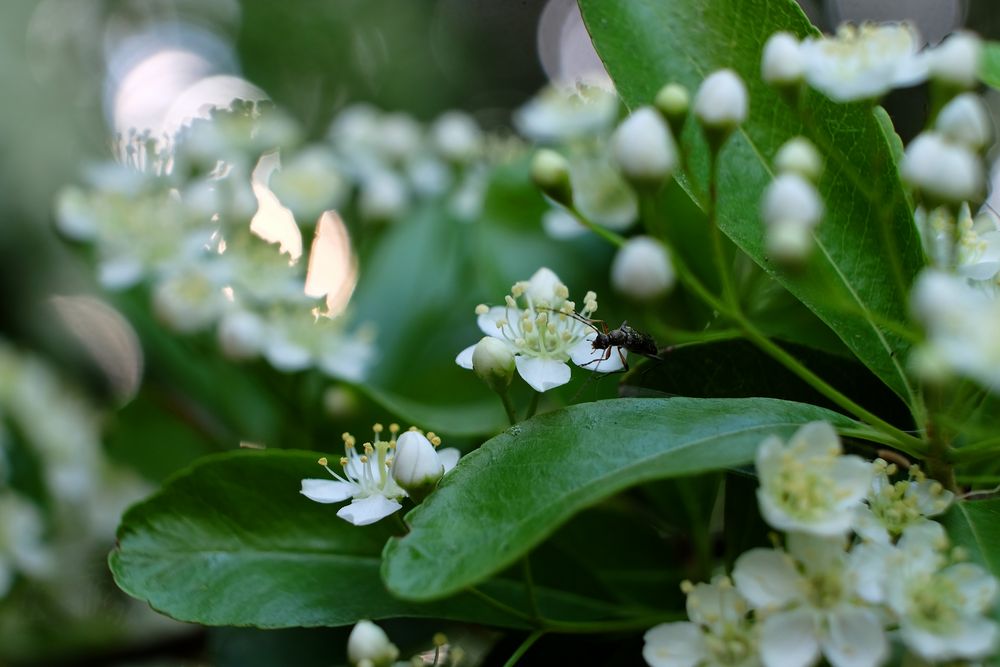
(556, 464)
(990, 67)
(867, 229)
(230, 541)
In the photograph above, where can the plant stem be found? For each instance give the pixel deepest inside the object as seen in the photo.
(718, 251)
(508, 406)
(505, 608)
(529, 585)
(939, 454)
(523, 648)
(611, 237)
(533, 405)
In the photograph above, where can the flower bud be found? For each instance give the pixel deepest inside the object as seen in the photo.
(799, 156)
(781, 62)
(456, 136)
(790, 197)
(788, 242)
(383, 196)
(721, 101)
(644, 148)
(642, 269)
(493, 363)
(673, 101)
(416, 466)
(942, 171)
(550, 172)
(955, 61)
(369, 644)
(967, 121)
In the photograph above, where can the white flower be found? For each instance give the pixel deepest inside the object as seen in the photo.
(296, 339)
(719, 632)
(807, 485)
(643, 147)
(781, 62)
(799, 156)
(722, 100)
(191, 298)
(978, 246)
(960, 321)
(367, 480)
(399, 137)
(966, 120)
(545, 332)
(383, 196)
(456, 136)
(310, 183)
(807, 601)
(75, 216)
(418, 464)
(558, 114)
(642, 269)
(939, 606)
(241, 334)
(22, 546)
(955, 61)
(369, 646)
(863, 62)
(941, 169)
(892, 507)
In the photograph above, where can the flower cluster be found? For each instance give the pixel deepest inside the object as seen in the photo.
(541, 327)
(56, 529)
(384, 472)
(955, 298)
(825, 593)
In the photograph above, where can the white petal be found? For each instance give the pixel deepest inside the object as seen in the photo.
(867, 525)
(543, 287)
(766, 578)
(586, 356)
(286, 356)
(869, 564)
(464, 358)
(368, 510)
(327, 490)
(854, 478)
(788, 639)
(972, 638)
(488, 321)
(674, 645)
(542, 374)
(976, 587)
(449, 457)
(816, 439)
(854, 638)
(818, 553)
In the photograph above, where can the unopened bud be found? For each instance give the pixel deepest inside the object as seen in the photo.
(644, 148)
(673, 101)
(369, 644)
(967, 121)
(721, 102)
(493, 363)
(781, 62)
(456, 136)
(942, 171)
(417, 466)
(642, 269)
(955, 62)
(790, 197)
(799, 156)
(550, 172)
(789, 242)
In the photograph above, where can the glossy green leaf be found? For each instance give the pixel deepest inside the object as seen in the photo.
(867, 250)
(989, 68)
(230, 541)
(515, 490)
(975, 525)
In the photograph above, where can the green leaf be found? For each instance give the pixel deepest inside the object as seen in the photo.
(737, 369)
(230, 541)
(975, 525)
(867, 250)
(526, 482)
(989, 68)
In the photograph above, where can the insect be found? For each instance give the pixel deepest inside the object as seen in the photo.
(624, 336)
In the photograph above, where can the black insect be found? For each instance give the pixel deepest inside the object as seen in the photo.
(624, 336)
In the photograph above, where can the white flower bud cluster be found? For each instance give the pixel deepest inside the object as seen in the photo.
(642, 269)
(791, 207)
(825, 593)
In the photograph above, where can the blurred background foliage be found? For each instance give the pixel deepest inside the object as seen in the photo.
(63, 65)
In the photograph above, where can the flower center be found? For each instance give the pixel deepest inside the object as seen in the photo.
(545, 326)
